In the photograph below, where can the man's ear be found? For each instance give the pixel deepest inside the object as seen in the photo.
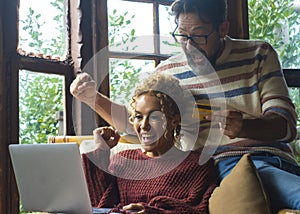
(223, 29)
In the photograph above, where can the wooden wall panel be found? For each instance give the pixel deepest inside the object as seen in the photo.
(238, 18)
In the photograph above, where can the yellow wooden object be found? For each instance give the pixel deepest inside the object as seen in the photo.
(132, 139)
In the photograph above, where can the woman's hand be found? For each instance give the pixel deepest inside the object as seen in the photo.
(106, 137)
(83, 88)
(134, 208)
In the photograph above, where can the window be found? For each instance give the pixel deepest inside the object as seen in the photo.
(41, 36)
(138, 41)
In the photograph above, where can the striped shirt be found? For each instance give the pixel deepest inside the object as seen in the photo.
(247, 77)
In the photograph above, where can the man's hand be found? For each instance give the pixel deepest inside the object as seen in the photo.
(268, 127)
(230, 122)
(106, 137)
(83, 88)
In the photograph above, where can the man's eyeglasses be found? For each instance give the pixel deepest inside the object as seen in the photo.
(197, 39)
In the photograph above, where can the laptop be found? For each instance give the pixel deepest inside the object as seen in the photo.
(50, 178)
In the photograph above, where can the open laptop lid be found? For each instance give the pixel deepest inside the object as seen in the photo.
(50, 178)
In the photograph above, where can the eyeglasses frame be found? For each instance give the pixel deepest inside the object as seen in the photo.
(191, 37)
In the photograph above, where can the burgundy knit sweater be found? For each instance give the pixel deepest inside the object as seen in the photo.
(173, 184)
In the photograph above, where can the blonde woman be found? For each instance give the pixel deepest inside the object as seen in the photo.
(159, 178)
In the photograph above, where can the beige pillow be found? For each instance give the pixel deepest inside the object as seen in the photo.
(240, 192)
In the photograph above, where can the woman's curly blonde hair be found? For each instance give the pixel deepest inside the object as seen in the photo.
(166, 89)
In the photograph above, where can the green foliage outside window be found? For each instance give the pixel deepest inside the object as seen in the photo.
(40, 95)
(124, 73)
(277, 23)
(33, 35)
(40, 98)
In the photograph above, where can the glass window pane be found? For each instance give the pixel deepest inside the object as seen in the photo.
(167, 26)
(130, 30)
(40, 100)
(277, 22)
(42, 27)
(125, 74)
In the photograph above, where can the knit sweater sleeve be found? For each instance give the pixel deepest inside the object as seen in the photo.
(102, 186)
(274, 91)
(204, 182)
(165, 204)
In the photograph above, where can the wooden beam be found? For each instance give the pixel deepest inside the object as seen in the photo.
(100, 51)
(46, 66)
(9, 102)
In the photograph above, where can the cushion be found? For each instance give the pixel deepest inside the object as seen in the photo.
(240, 192)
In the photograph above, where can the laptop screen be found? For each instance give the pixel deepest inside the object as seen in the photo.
(50, 178)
